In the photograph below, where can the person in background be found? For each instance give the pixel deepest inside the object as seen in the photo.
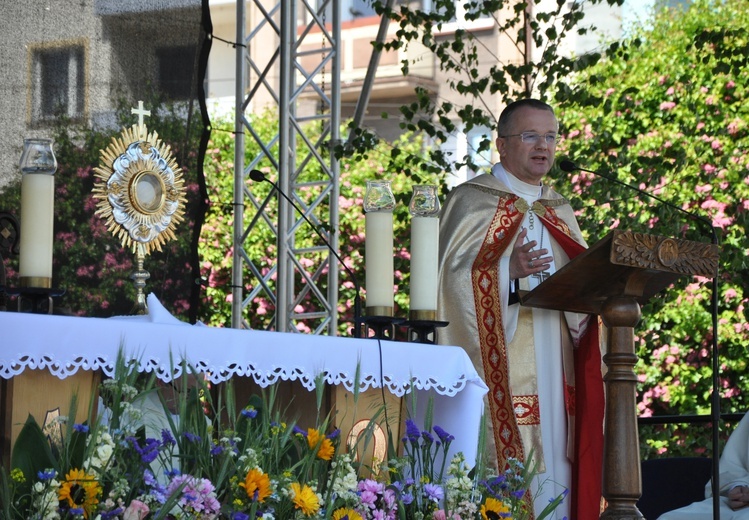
(734, 483)
(504, 232)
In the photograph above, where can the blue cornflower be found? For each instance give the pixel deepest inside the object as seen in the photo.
(518, 494)
(47, 475)
(76, 511)
(407, 498)
(240, 516)
(334, 434)
(217, 450)
(81, 428)
(174, 472)
(249, 413)
(299, 431)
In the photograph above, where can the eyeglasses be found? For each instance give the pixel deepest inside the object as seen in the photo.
(535, 138)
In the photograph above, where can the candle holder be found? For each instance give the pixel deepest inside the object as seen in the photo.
(381, 325)
(34, 300)
(422, 327)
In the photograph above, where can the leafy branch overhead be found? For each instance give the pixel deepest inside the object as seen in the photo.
(531, 62)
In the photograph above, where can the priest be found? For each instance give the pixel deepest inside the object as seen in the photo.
(505, 232)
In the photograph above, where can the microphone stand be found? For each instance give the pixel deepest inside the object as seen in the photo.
(568, 166)
(258, 176)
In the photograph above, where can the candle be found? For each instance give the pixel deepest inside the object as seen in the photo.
(38, 165)
(378, 259)
(379, 203)
(424, 208)
(424, 252)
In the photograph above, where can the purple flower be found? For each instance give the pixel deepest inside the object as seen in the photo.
(297, 430)
(428, 437)
(198, 495)
(434, 492)
(240, 516)
(192, 437)
(518, 494)
(166, 438)
(412, 432)
(334, 434)
(81, 428)
(148, 452)
(444, 437)
(106, 515)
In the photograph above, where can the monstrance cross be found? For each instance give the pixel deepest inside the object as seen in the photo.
(140, 112)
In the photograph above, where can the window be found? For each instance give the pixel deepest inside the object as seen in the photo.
(59, 74)
(474, 139)
(176, 67)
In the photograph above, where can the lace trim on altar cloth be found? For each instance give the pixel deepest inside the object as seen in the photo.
(263, 377)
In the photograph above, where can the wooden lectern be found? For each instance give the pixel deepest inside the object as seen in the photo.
(613, 279)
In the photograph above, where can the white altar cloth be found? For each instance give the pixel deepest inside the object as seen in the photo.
(63, 345)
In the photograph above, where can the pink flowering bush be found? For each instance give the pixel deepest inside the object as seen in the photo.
(666, 108)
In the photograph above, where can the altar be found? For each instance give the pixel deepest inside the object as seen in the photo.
(62, 347)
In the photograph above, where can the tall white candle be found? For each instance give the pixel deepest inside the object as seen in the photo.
(424, 252)
(38, 165)
(378, 258)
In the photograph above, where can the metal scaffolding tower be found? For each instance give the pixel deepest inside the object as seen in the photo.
(302, 75)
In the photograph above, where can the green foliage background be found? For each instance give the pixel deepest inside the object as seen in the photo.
(667, 112)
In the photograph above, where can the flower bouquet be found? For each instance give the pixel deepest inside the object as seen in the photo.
(151, 451)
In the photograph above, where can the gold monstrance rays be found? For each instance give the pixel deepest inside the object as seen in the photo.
(140, 193)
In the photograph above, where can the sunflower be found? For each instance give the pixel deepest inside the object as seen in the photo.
(257, 485)
(346, 513)
(494, 509)
(80, 490)
(325, 451)
(304, 499)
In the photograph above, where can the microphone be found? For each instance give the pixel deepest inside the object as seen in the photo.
(258, 176)
(568, 166)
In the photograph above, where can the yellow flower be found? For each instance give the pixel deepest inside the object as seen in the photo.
(492, 507)
(304, 499)
(315, 439)
(257, 485)
(16, 475)
(346, 513)
(80, 490)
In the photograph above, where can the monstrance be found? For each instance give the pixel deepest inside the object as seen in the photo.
(141, 195)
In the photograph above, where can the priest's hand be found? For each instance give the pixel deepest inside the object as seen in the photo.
(738, 497)
(524, 260)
